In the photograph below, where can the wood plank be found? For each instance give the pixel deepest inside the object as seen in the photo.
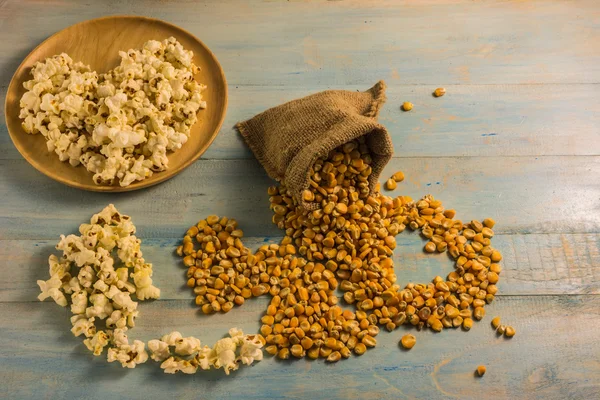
(523, 194)
(533, 264)
(553, 356)
(470, 120)
(350, 42)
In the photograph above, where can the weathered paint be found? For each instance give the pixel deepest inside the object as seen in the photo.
(515, 138)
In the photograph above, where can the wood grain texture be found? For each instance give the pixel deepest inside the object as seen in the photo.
(470, 120)
(549, 358)
(356, 42)
(533, 264)
(524, 194)
(516, 138)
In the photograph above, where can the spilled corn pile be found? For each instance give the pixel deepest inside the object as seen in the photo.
(344, 241)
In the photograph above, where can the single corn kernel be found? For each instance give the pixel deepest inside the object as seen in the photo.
(439, 92)
(467, 324)
(479, 313)
(284, 353)
(496, 322)
(488, 222)
(334, 357)
(430, 247)
(390, 184)
(369, 341)
(307, 195)
(496, 256)
(297, 351)
(481, 370)
(398, 176)
(510, 331)
(313, 353)
(360, 349)
(408, 341)
(407, 106)
(449, 213)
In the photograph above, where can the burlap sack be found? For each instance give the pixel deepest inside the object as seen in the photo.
(287, 139)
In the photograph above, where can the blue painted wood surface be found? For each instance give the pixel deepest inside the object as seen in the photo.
(516, 138)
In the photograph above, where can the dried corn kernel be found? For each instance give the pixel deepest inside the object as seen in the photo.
(439, 92)
(398, 176)
(496, 322)
(481, 370)
(408, 341)
(510, 331)
(390, 184)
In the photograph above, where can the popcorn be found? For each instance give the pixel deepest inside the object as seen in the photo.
(118, 125)
(223, 355)
(173, 365)
(203, 358)
(171, 338)
(236, 335)
(51, 288)
(83, 326)
(118, 319)
(101, 307)
(159, 349)
(57, 267)
(79, 301)
(97, 291)
(97, 343)
(129, 249)
(250, 350)
(122, 280)
(148, 292)
(187, 346)
(143, 282)
(71, 286)
(86, 276)
(128, 355)
(74, 249)
(123, 300)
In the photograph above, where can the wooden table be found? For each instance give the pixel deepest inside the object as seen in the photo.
(516, 138)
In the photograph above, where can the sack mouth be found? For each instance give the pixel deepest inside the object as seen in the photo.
(288, 139)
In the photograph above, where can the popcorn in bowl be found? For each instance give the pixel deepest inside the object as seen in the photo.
(120, 125)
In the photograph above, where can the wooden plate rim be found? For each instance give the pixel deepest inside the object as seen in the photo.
(164, 175)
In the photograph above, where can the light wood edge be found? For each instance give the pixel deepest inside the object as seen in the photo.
(170, 173)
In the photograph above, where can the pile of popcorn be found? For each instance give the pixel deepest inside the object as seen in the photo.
(87, 278)
(119, 125)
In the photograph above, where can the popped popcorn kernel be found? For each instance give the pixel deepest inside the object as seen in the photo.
(120, 125)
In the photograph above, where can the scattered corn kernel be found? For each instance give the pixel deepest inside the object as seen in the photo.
(398, 176)
(360, 349)
(408, 341)
(488, 222)
(467, 324)
(481, 370)
(407, 106)
(390, 184)
(496, 322)
(510, 331)
(439, 92)
(347, 242)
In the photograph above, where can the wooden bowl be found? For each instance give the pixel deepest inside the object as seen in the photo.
(97, 43)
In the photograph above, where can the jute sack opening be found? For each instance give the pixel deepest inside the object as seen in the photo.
(289, 138)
